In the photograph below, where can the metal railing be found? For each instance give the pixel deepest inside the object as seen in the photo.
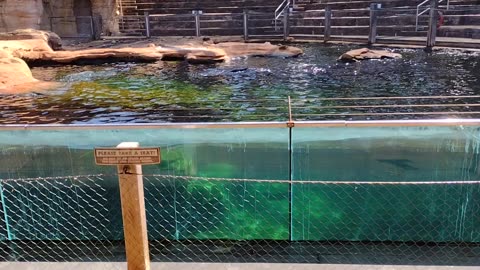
(243, 110)
(281, 10)
(420, 13)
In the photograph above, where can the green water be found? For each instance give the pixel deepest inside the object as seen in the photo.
(255, 89)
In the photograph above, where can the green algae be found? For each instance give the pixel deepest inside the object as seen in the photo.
(123, 91)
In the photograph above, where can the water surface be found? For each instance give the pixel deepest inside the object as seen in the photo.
(247, 89)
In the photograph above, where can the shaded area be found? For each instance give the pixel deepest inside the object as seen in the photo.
(261, 251)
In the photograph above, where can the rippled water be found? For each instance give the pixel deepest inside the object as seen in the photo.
(247, 89)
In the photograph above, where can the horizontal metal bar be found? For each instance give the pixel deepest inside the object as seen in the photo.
(263, 181)
(59, 127)
(69, 17)
(201, 125)
(392, 98)
(388, 106)
(391, 123)
(285, 100)
(172, 15)
(384, 114)
(311, 181)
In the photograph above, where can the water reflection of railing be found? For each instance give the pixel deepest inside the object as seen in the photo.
(239, 110)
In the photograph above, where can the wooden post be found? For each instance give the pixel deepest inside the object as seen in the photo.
(372, 35)
(245, 25)
(133, 212)
(147, 24)
(327, 28)
(432, 25)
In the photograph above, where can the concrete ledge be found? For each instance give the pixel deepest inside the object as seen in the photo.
(218, 266)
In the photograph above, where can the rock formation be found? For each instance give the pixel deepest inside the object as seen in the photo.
(53, 40)
(17, 14)
(16, 53)
(365, 54)
(258, 49)
(45, 14)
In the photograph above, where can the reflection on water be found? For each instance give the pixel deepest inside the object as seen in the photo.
(252, 89)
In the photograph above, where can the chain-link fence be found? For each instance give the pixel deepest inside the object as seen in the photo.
(248, 220)
(200, 219)
(61, 219)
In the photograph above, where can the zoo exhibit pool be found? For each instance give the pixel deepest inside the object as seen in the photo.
(317, 217)
(254, 89)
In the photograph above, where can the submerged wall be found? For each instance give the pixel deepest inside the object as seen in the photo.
(57, 16)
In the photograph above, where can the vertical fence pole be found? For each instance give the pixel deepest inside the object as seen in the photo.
(245, 25)
(197, 13)
(133, 213)
(51, 24)
(432, 24)
(92, 27)
(372, 34)
(286, 23)
(147, 24)
(327, 28)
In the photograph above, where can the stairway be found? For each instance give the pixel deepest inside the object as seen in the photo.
(349, 18)
(396, 18)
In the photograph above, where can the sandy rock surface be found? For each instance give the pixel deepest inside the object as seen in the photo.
(53, 40)
(33, 47)
(258, 49)
(366, 54)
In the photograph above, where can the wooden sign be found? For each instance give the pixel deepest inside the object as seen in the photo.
(126, 156)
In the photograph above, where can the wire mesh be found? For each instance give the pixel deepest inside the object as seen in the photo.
(206, 219)
(61, 219)
(195, 219)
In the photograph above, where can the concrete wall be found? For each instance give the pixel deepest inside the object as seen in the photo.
(108, 9)
(18, 14)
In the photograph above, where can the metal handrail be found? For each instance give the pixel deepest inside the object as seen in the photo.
(420, 13)
(243, 125)
(280, 10)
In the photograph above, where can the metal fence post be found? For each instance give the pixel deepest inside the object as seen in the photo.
(327, 29)
(432, 24)
(51, 24)
(197, 13)
(92, 27)
(147, 24)
(245, 25)
(286, 23)
(372, 34)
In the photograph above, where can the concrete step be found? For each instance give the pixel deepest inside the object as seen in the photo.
(460, 31)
